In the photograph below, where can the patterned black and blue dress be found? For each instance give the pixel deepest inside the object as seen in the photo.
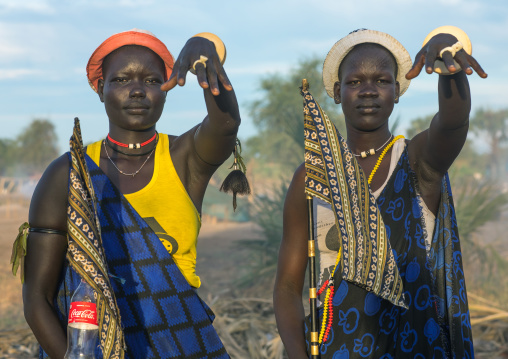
(436, 323)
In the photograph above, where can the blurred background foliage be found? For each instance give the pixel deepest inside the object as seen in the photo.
(31, 151)
(478, 177)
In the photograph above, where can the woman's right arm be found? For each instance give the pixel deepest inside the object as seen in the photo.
(287, 295)
(45, 257)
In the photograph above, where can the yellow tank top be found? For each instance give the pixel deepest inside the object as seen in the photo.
(167, 208)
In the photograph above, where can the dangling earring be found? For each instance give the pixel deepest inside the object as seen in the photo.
(236, 182)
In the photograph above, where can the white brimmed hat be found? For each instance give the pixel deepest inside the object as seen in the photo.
(344, 45)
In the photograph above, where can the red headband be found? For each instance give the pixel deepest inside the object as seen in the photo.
(131, 37)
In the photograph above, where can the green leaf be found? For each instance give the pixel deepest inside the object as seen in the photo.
(19, 251)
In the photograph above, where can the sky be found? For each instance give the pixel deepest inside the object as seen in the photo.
(45, 46)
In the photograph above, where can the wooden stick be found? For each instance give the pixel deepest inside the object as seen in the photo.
(314, 331)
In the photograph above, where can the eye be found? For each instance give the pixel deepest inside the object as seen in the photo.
(153, 81)
(120, 80)
(354, 82)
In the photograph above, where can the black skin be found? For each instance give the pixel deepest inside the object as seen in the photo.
(368, 91)
(134, 93)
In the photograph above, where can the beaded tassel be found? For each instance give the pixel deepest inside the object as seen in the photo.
(327, 321)
(236, 182)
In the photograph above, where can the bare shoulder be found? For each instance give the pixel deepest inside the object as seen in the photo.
(48, 207)
(299, 176)
(294, 207)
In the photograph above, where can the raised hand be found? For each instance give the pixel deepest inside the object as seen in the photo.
(208, 76)
(430, 53)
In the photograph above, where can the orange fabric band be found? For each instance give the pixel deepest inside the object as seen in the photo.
(131, 37)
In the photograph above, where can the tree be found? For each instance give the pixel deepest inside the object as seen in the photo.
(32, 151)
(278, 115)
(7, 151)
(493, 126)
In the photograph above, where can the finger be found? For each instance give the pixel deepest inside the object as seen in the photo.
(170, 84)
(223, 78)
(201, 75)
(417, 66)
(430, 58)
(182, 74)
(212, 80)
(448, 62)
(461, 59)
(476, 66)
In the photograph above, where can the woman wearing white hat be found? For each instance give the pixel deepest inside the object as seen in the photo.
(391, 278)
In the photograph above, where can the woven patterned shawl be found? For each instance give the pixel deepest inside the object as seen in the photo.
(85, 252)
(333, 174)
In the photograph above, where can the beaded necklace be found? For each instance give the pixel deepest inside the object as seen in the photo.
(327, 321)
(372, 151)
(376, 166)
(132, 145)
(122, 172)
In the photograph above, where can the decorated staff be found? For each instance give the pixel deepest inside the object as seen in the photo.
(314, 339)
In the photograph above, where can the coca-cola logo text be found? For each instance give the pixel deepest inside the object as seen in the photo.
(83, 312)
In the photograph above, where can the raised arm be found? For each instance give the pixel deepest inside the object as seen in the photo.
(287, 294)
(214, 139)
(45, 258)
(433, 151)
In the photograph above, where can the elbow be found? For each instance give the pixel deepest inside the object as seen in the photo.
(284, 290)
(231, 125)
(29, 309)
(33, 305)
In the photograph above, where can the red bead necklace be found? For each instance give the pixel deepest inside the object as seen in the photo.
(132, 145)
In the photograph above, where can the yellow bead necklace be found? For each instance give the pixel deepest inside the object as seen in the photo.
(381, 156)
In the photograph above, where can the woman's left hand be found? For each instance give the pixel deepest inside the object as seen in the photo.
(430, 53)
(208, 76)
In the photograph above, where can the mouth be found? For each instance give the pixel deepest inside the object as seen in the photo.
(136, 108)
(367, 108)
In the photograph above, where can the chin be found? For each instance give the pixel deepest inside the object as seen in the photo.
(133, 123)
(368, 124)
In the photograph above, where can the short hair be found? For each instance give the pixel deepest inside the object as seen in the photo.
(366, 44)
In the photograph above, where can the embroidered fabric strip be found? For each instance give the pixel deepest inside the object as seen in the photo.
(333, 174)
(85, 252)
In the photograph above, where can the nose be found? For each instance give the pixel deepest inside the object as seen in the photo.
(137, 90)
(368, 90)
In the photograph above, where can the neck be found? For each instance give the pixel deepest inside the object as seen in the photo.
(359, 141)
(127, 136)
(131, 143)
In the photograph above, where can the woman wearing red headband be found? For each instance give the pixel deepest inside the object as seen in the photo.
(124, 215)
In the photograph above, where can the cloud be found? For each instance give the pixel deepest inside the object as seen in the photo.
(29, 43)
(9, 74)
(35, 6)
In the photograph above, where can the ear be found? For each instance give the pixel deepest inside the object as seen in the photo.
(397, 91)
(100, 89)
(336, 92)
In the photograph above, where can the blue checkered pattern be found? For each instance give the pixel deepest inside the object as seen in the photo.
(162, 315)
